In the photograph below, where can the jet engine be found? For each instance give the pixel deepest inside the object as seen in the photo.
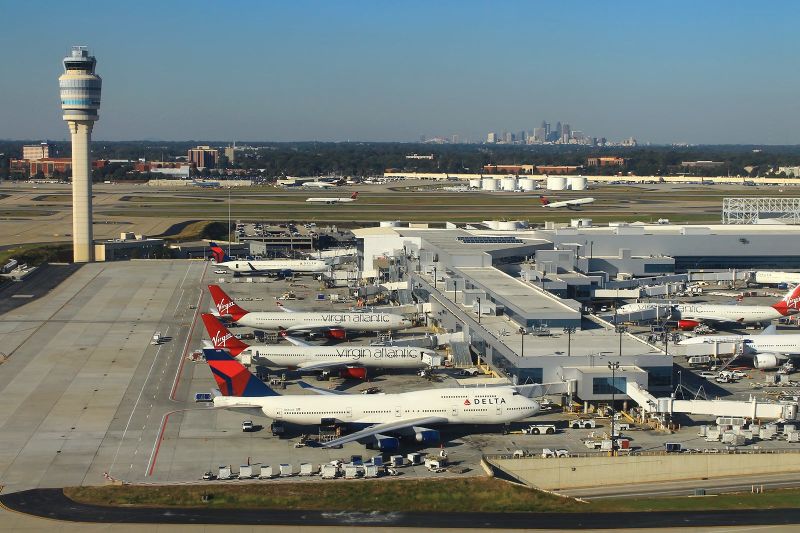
(765, 361)
(386, 443)
(426, 435)
(354, 372)
(338, 334)
(687, 325)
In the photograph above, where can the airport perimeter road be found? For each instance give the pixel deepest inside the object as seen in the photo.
(684, 488)
(51, 503)
(83, 387)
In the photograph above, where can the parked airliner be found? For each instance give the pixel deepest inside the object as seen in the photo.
(383, 417)
(308, 358)
(335, 324)
(570, 204)
(769, 350)
(267, 266)
(691, 315)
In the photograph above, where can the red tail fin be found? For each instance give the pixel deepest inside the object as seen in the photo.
(790, 304)
(544, 200)
(225, 305)
(221, 338)
(354, 195)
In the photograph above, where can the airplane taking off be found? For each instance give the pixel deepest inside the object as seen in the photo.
(268, 266)
(386, 416)
(569, 204)
(334, 200)
(692, 315)
(332, 323)
(308, 358)
(769, 350)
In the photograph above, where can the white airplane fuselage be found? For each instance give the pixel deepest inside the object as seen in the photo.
(276, 265)
(486, 405)
(366, 356)
(305, 321)
(784, 344)
(742, 314)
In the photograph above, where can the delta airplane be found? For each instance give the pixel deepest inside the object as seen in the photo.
(769, 277)
(569, 204)
(332, 323)
(269, 266)
(309, 358)
(322, 184)
(334, 200)
(769, 350)
(382, 417)
(692, 315)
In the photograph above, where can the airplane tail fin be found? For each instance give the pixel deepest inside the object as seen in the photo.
(354, 195)
(221, 338)
(790, 304)
(218, 253)
(544, 200)
(225, 305)
(233, 378)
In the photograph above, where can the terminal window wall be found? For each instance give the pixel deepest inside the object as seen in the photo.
(658, 376)
(604, 385)
(527, 376)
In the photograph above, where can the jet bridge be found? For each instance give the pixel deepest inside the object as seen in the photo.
(753, 408)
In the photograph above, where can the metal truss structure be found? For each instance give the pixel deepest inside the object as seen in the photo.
(752, 210)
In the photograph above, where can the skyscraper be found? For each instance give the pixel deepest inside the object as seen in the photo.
(80, 101)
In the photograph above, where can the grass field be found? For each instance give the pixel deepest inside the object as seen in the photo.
(452, 495)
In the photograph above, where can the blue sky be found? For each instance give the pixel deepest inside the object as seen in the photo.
(699, 72)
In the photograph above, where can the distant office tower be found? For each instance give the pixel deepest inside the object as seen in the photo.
(35, 152)
(80, 101)
(539, 135)
(491, 137)
(230, 153)
(203, 156)
(558, 129)
(566, 130)
(508, 137)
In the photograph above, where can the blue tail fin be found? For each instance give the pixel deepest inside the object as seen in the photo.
(232, 378)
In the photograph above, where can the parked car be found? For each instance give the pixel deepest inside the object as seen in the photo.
(247, 425)
(707, 374)
(220, 271)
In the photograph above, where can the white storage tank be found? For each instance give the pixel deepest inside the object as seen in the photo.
(509, 184)
(577, 183)
(475, 183)
(526, 184)
(510, 225)
(492, 224)
(489, 184)
(581, 223)
(390, 223)
(556, 183)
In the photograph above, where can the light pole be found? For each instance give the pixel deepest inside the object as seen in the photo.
(613, 367)
(522, 334)
(569, 330)
(434, 278)
(479, 310)
(620, 329)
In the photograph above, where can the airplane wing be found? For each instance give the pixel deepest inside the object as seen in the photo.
(386, 427)
(310, 366)
(283, 307)
(770, 330)
(295, 340)
(318, 390)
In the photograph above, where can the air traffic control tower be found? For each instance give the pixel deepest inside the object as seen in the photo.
(80, 101)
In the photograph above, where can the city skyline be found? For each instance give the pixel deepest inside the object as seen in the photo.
(682, 73)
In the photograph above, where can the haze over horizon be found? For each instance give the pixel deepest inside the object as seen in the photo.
(704, 73)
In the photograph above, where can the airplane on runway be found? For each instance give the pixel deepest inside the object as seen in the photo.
(323, 184)
(354, 360)
(569, 204)
(334, 200)
(768, 349)
(268, 266)
(691, 315)
(334, 324)
(382, 417)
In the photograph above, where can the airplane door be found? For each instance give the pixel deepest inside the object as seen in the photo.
(349, 413)
(398, 411)
(499, 410)
(455, 411)
(279, 413)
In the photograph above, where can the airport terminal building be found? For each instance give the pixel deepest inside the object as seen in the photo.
(518, 296)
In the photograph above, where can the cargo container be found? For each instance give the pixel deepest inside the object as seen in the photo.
(371, 471)
(224, 472)
(396, 460)
(329, 471)
(286, 470)
(307, 469)
(266, 472)
(245, 472)
(351, 471)
(414, 458)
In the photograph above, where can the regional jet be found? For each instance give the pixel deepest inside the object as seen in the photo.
(569, 204)
(285, 267)
(334, 200)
